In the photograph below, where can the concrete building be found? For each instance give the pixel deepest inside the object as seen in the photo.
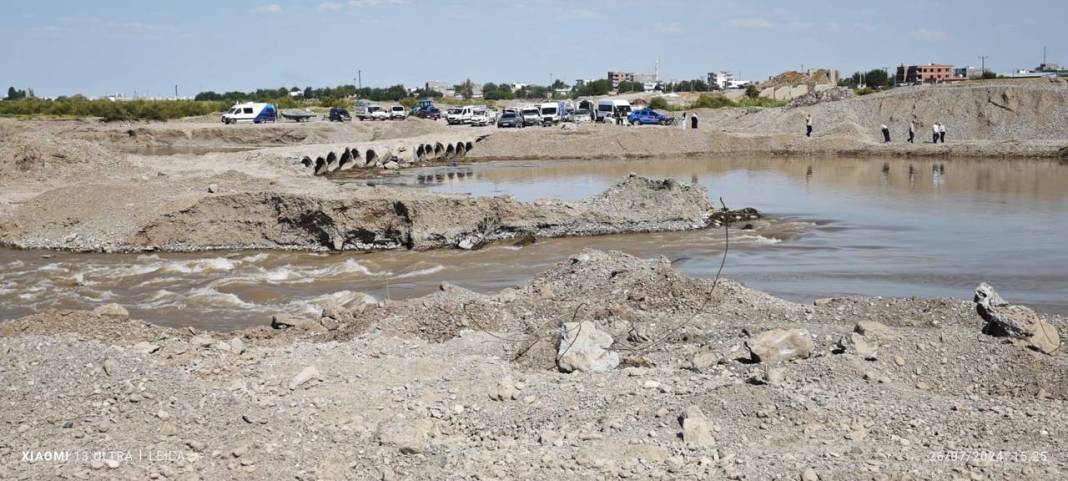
(440, 87)
(616, 77)
(720, 79)
(930, 73)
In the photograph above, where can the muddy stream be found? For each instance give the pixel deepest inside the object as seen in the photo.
(838, 227)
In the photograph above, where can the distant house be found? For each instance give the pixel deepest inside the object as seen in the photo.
(720, 79)
(930, 73)
(296, 94)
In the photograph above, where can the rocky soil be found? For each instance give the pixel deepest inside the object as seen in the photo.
(671, 378)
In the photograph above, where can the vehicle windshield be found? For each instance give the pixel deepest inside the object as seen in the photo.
(373, 109)
(548, 111)
(530, 112)
(508, 115)
(454, 111)
(582, 112)
(398, 109)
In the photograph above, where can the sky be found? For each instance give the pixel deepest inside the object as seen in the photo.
(63, 47)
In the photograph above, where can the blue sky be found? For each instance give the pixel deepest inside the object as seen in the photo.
(95, 47)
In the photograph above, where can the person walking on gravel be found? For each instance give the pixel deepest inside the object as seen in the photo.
(942, 132)
(808, 125)
(934, 131)
(886, 133)
(912, 132)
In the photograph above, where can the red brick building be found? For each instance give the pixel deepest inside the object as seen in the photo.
(934, 72)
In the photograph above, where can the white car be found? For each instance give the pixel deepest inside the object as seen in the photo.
(459, 116)
(377, 113)
(481, 117)
(397, 112)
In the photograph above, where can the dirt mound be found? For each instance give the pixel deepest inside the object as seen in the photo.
(388, 220)
(830, 95)
(793, 78)
(42, 154)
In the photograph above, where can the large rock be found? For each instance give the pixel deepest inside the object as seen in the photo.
(585, 348)
(112, 310)
(1020, 322)
(696, 430)
(780, 345)
(286, 321)
(408, 437)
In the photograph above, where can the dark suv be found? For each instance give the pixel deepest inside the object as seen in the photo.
(432, 113)
(338, 114)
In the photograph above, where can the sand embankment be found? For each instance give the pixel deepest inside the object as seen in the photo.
(1009, 119)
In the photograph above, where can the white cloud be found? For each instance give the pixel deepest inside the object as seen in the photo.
(269, 8)
(329, 7)
(375, 3)
(929, 35)
(140, 28)
(753, 22)
(584, 13)
(669, 28)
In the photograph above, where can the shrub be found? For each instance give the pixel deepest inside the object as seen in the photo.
(659, 103)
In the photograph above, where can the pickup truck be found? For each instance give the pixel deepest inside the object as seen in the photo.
(649, 117)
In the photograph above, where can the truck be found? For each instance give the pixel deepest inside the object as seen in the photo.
(366, 110)
(610, 108)
(531, 115)
(253, 112)
(550, 113)
(459, 116)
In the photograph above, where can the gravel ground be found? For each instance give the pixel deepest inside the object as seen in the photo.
(434, 388)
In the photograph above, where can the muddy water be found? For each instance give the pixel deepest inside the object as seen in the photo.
(894, 228)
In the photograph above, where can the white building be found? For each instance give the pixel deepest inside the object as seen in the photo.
(720, 79)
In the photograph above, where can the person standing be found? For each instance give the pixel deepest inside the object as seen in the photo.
(912, 132)
(934, 131)
(886, 133)
(808, 125)
(942, 132)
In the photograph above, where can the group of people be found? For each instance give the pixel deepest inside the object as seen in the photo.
(938, 131)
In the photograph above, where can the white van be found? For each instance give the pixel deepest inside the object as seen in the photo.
(606, 108)
(550, 113)
(250, 112)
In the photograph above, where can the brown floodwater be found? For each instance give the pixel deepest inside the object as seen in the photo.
(926, 228)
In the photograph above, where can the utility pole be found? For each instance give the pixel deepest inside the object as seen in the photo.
(982, 68)
(359, 79)
(175, 91)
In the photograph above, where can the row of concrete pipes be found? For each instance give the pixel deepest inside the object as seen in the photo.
(386, 156)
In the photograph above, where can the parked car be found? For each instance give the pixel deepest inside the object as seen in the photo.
(649, 117)
(338, 114)
(480, 117)
(397, 112)
(427, 112)
(510, 118)
(459, 116)
(580, 116)
(608, 108)
(531, 116)
(550, 113)
(368, 111)
(250, 112)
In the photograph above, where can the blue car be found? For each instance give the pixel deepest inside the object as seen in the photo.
(649, 117)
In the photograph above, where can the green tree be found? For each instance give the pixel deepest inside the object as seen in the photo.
(466, 89)
(628, 86)
(12, 94)
(989, 75)
(659, 103)
(559, 84)
(594, 88)
(752, 91)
